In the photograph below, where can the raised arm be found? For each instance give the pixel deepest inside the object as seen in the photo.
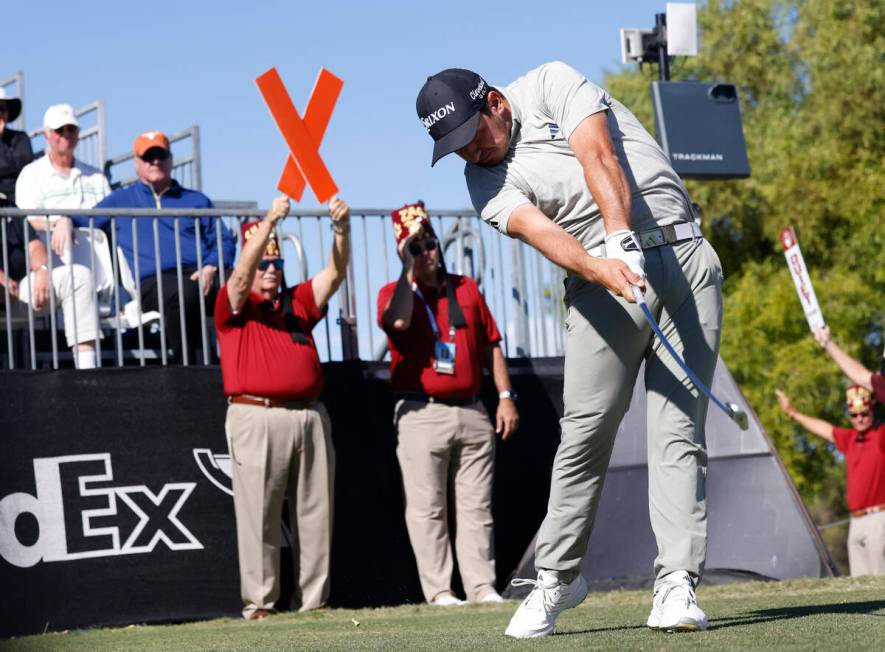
(850, 367)
(327, 282)
(397, 314)
(813, 425)
(240, 282)
(529, 224)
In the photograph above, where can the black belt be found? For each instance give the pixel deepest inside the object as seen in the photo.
(420, 397)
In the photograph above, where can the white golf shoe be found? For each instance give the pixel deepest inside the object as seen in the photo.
(674, 605)
(537, 614)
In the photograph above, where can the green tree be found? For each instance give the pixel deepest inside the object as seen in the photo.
(811, 82)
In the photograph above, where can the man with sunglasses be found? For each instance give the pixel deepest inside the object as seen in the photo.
(155, 188)
(864, 448)
(554, 160)
(51, 184)
(278, 432)
(854, 369)
(440, 333)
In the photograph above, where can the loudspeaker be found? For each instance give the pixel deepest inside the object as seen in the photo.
(699, 128)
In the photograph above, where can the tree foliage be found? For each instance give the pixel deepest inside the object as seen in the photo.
(811, 82)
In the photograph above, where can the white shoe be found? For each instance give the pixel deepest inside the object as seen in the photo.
(447, 600)
(675, 607)
(537, 614)
(491, 597)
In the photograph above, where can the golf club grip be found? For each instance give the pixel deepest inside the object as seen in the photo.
(697, 381)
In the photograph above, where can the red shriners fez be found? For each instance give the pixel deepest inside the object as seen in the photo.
(411, 219)
(150, 140)
(858, 398)
(272, 248)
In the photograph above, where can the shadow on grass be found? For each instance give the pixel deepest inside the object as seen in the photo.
(786, 613)
(599, 630)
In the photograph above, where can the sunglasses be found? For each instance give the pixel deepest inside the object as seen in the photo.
(67, 129)
(276, 263)
(418, 248)
(855, 415)
(153, 155)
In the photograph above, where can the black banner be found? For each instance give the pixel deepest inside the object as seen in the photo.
(116, 508)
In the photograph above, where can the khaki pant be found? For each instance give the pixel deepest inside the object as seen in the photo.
(72, 286)
(607, 341)
(866, 545)
(279, 453)
(439, 444)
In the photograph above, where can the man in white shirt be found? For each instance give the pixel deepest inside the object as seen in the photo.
(55, 182)
(554, 160)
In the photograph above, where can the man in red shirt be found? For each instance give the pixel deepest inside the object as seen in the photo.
(858, 373)
(278, 433)
(864, 450)
(440, 333)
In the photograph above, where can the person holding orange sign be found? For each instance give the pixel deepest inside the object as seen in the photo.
(278, 432)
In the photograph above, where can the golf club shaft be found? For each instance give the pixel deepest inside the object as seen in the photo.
(637, 293)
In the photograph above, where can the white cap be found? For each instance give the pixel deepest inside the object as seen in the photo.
(59, 115)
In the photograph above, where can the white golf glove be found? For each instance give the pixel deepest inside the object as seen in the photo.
(624, 246)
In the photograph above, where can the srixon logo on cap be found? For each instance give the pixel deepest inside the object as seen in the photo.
(438, 115)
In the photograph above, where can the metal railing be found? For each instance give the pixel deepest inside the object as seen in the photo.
(15, 87)
(186, 168)
(92, 145)
(523, 290)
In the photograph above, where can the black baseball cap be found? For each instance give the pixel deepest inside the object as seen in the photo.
(448, 106)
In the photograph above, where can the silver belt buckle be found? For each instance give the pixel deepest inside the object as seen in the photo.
(652, 238)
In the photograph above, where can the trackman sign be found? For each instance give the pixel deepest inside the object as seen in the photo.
(80, 515)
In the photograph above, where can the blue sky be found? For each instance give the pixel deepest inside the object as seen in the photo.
(169, 65)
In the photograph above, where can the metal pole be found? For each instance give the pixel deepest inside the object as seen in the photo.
(663, 59)
(198, 168)
(160, 303)
(184, 342)
(52, 307)
(115, 257)
(95, 292)
(520, 305)
(8, 302)
(500, 280)
(32, 276)
(136, 272)
(201, 285)
(326, 320)
(368, 292)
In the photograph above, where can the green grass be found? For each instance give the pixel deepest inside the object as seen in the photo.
(840, 614)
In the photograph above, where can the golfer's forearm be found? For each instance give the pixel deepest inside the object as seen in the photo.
(530, 225)
(850, 367)
(609, 188)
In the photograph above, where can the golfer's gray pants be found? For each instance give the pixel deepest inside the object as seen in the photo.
(606, 343)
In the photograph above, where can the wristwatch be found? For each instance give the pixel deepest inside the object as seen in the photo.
(507, 394)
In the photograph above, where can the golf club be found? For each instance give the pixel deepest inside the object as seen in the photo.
(733, 410)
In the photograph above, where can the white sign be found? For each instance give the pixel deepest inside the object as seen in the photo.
(801, 279)
(682, 29)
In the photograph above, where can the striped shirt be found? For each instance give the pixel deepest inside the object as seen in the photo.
(40, 185)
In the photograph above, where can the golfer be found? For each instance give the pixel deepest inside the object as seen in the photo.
(554, 160)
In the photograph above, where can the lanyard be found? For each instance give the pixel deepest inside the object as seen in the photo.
(430, 316)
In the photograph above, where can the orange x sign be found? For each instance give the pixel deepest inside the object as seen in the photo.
(303, 137)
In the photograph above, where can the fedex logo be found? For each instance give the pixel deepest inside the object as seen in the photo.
(80, 515)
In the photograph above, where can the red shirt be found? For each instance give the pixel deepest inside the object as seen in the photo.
(258, 355)
(864, 465)
(411, 351)
(877, 380)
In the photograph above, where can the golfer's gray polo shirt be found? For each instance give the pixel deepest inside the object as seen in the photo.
(548, 104)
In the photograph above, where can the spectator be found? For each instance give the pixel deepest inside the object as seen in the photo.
(15, 148)
(859, 374)
(278, 432)
(55, 182)
(440, 333)
(156, 188)
(864, 450)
